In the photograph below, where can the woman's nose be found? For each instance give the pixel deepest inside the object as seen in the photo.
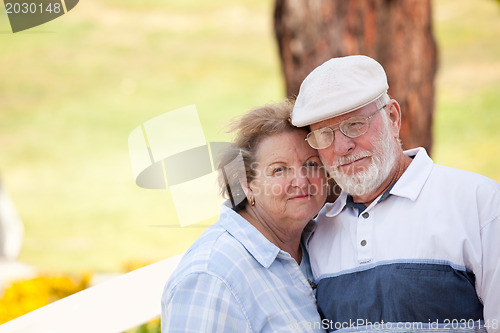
(301, 177)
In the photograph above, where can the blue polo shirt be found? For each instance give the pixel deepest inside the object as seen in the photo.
(428, 255)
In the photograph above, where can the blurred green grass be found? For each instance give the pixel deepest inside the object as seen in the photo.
(467, 118)
(73, 89)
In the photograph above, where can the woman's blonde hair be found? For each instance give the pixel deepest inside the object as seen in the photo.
(236, 162)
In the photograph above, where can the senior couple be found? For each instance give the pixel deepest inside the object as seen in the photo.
(408, 245)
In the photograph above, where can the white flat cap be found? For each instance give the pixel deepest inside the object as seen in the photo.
(338, 86)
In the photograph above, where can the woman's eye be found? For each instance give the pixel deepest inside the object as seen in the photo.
(278, 170)
(312, 164)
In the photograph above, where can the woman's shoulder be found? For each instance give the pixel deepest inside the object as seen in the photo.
(216, 253)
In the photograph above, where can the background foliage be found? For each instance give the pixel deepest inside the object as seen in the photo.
(72, 90)
(24, 296)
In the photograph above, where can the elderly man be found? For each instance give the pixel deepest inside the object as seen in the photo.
(408, 245)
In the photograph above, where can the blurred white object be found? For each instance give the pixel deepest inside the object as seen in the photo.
(116, 305)
(11, 228)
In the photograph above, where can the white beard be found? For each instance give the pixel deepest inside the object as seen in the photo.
(366, 181)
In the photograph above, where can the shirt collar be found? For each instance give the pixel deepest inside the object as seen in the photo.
(412, 181)
(361, 207)
(334, 209)
(409, 185)
(254, 242)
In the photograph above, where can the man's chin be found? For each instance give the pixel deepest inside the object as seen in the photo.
(358, 174)
(358, 186)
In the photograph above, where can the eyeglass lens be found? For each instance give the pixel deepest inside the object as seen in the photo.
(352, 127)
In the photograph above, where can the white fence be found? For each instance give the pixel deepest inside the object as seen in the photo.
(113, 306)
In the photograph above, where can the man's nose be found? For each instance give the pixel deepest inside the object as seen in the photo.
(342, 144)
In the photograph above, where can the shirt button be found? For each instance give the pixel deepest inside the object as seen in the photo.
(365, 215)
(363, 242)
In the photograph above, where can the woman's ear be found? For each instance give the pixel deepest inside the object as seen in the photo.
(246, 188)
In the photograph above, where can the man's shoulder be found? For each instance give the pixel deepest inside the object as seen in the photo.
(433, 174)
(463, 178)
(464, 191)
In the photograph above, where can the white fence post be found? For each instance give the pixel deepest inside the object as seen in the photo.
(114, 306)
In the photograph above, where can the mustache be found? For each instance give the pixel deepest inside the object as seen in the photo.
(349, 159)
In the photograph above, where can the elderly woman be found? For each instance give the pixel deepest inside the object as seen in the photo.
(248, 272)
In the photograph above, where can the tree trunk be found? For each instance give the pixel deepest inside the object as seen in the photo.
(397, 33)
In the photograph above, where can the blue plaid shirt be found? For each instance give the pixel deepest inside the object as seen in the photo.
(232, 279)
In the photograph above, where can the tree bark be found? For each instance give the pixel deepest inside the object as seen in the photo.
(397, 33)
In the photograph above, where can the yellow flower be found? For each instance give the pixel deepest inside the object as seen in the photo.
(24, 296)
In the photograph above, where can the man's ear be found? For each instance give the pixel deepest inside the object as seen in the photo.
(394, 115)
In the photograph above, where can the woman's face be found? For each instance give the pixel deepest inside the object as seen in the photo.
(290, 181)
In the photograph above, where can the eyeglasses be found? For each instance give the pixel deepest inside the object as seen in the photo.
(351, 127)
